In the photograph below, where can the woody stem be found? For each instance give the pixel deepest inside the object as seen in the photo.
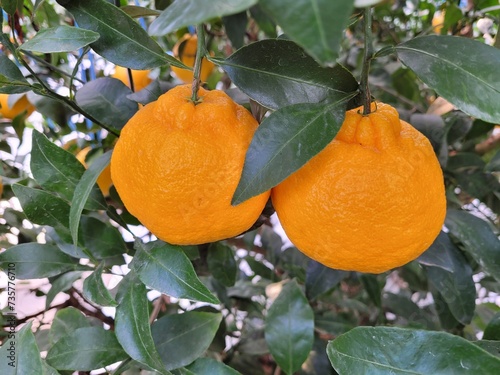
(200, 52)
(367, 57)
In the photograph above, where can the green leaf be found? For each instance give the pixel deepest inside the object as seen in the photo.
(84, 188)
(86, 349)
(321, 279)
(209, 366)
(317, 26)
(490, 346)
(137, 11)
(35, 261)
(284, 142)
(66, 321)
(289, 328)
(373, 288)
(43, 208)
(122, 40)
(437, 254)
(182, 338)
(494, 164)
(477, 238)
(492, 330)
(236, 26)
(193, 12)
(278, 73)
(384, 350)
(58, 171)
(166, 268)
(402, 306)
(461, 70)
(95, 291)
(106, 99)
(20, 355)
(12, 80)
(61, 284)
(60, 39)
(10, 6)
(221, 263)
(102, 239)
(132, 324)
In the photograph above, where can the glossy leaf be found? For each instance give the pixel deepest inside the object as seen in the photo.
(101, 349)
(317, 26)
(102, 239)
(84, 188)
(95, 291)
(235, 26)
(122, 40)
(209, 366)
(61, 284)
(60, 39)
(106, 99)
(167, 269)
(35, 261)
(383, 350)
(221, 263)
(193, 12)
(473, 65)
(284, 142)
(278, 73)
(289, 328)
(437, 255)
(12, 80)
(58, 171)
(182, 338)
(477, 238)
(67, 320)
(20, 355)
(132, 324)
(321, 279)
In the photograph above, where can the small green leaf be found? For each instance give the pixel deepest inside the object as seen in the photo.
(193, 12)
(95, 291)
(167, 269)
(60, 39)
(492, 330)
(236, 26)
(402, 306)
(182, 338)
(284, 142)
(437, 254)
(473, 65)
(321, 279)
(317, 26)
(67, 320)
(278, 73)
(209, 366)
(289, 328)
(384, 350)
(20, 355)
(106, 99)
(12, 80)
(35, 261)
(86, 349)
(494, 164)
(137, 11)
(222, 264)
(132, 324)
(61, 284)
(102, 239)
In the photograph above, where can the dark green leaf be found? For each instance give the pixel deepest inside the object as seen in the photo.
(289, 328)
(266, 24)
(492, 330)
(473, 65)
(43, 208)
(182, 338)
(477, 238)
(437, 254)
(61, 284)
(284, 142)
(494, 163)
(20, 355)
(60, 39)
(123, 41)
(318, 26)
(222, 264)
(66, 321)
(137, 11)
(102, 239)
(384, 350)
(209, 366)
(236, 26)
(84, 188)
(35, 261)
(193, 12)
(403, 307)
(373, 288)
(278, 73)
(86, 349)
(490, 346)
(321, 279)
(58, 171)
(12, 80)
(167, 269)
(95, 291)
(132, 324)
(106, 99)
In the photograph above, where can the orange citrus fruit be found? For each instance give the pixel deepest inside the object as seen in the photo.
(19, 107)
(141, 77)
(185, 51)
(176, 166)
(372, 200)
(104, 180)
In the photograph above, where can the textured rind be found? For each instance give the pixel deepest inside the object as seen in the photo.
(366, 208)
(177, 165)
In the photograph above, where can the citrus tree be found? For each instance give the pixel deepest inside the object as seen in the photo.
(234, 187)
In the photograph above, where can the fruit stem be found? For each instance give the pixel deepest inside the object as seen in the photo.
(200, 52)
(366, 96)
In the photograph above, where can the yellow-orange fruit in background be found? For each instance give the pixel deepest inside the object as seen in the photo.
(372, 200)
(176, 166)
(185, 51)
(438, 21)
(141, 77)
(19, 107)
(1, 187)
(104, 180)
